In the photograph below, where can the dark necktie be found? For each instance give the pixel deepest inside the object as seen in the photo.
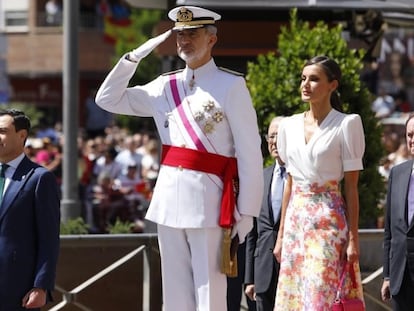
(3, 168)
(277, 193)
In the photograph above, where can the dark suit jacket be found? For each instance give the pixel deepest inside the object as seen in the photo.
(260, 242)
(398, 236)
(29, 234)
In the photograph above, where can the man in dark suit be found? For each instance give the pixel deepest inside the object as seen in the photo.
(262, 269)
(398, 284)
(29, 221)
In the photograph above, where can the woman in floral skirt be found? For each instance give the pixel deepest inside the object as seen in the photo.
(321, 148)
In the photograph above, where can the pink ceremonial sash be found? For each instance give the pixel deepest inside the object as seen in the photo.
(177, 100)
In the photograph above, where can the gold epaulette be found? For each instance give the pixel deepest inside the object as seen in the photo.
(231, 71)
(172, 72)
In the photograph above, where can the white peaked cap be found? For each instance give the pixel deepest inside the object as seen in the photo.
(187, 17)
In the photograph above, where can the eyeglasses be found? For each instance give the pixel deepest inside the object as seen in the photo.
(271, 137)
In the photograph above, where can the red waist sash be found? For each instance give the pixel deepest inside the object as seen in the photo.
(211, 163)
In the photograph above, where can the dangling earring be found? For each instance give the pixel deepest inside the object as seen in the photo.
(337, 93)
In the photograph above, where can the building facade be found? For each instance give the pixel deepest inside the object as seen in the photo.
(31, 46)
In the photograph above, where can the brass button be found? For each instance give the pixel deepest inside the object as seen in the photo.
(180, 167)
(183, 146)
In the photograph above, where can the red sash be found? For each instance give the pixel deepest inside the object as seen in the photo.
(211, 163)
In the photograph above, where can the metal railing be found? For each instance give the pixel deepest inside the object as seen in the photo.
(149, 296)
(71, 296)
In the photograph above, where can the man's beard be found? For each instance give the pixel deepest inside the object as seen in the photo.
(192, 56)
(185, 57)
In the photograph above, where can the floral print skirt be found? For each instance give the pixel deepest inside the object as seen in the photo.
(315, 236)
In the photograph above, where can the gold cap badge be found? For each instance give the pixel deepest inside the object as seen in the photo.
(184, 15)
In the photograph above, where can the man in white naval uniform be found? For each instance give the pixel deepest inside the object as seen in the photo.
(206, 120)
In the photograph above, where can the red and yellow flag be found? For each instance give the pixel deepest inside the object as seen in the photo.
(116, 29)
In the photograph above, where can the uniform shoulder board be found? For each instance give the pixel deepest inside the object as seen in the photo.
(172, 72)
(231, 71)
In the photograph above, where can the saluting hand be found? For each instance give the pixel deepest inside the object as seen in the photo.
(146, 48)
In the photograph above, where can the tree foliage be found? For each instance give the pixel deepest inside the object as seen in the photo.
(274, 79)
(74, 226)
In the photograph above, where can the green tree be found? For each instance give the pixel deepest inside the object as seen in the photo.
(274, 79)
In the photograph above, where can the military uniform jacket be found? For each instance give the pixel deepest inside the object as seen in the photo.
(219, 112)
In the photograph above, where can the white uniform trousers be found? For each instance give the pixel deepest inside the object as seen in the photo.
(190, 267)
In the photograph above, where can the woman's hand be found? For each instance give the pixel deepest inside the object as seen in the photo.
(352, 251)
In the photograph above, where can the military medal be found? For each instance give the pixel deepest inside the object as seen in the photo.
(209, 106)
(208, 127)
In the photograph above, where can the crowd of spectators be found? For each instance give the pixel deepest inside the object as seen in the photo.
(394, 88)
(391, 81)
(117, 173)
(396, 151)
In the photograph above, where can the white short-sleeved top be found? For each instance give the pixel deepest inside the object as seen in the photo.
(336, 147)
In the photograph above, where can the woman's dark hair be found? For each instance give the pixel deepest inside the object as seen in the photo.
(20, 120)
(333, 72)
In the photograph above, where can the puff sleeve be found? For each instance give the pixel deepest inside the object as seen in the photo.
(353, 145)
